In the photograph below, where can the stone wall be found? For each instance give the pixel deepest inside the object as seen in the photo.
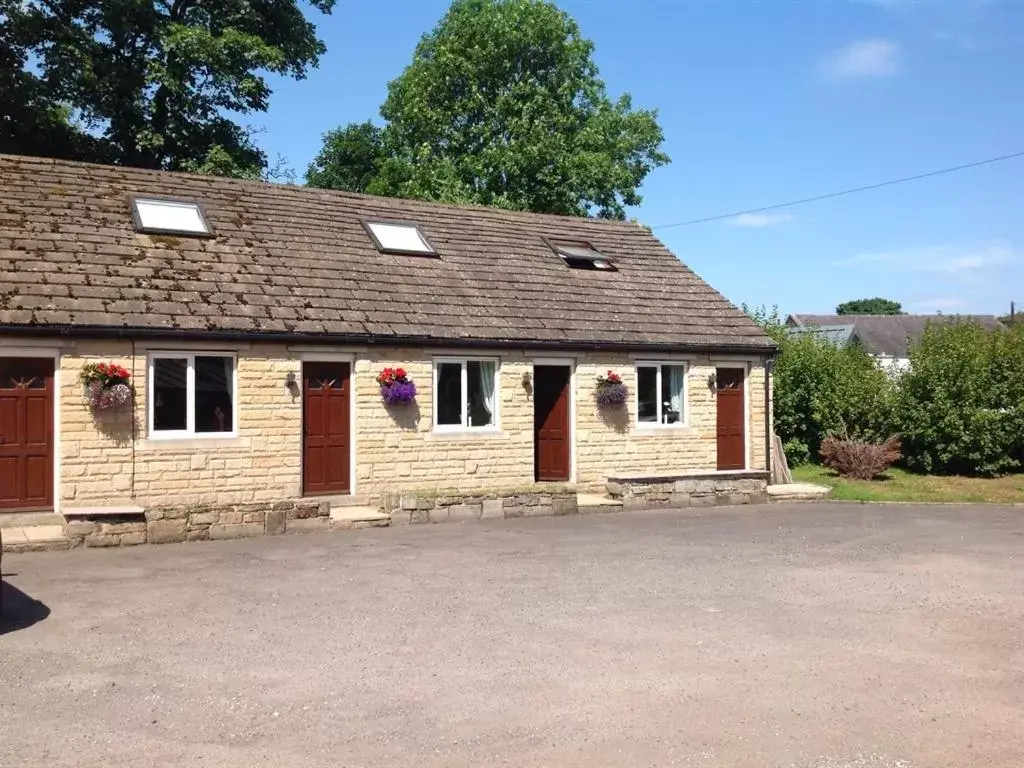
(108, 460)
(725, 488)
(200, 522)
(453, 506)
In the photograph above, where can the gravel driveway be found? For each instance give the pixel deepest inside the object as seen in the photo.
(805, 636)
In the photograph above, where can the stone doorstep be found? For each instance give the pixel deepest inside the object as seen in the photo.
(90, 513)
(34, 537)
(592, 500)
(357, 514)
(27, 519)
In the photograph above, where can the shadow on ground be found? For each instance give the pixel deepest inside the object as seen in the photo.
(18, 610)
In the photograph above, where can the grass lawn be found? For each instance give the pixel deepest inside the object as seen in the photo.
(899, 485)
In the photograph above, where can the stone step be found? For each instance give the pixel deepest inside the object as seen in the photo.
(31, 538)
(343, 500)
(797, 492)
(358, 514)
(596, 500)
(26, 519)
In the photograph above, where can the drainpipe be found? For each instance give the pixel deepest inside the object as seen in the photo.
(769, 364)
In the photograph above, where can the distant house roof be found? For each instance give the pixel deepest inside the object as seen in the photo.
(886, 335)
(78, 253)
(840, 335)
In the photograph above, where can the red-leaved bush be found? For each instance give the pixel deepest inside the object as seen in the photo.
(859, 460)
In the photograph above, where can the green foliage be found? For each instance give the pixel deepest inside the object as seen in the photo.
(350, 159)
(875, 306)
(148, 82)
(502, 105)
(821, 389)
(961, 404)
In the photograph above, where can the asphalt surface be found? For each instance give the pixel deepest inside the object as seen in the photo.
(804, 636)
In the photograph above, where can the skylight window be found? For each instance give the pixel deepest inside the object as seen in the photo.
(399, 237)
(579, 254)
(168, 217)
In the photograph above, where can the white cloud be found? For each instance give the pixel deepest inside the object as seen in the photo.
(959, 261)
(873, 57)
(939, 304)
(761, 219)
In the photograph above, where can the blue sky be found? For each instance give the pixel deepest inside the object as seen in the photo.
(763, 102)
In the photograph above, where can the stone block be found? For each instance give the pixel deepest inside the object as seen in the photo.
(309, 525)
(102, 540)
(424, 503)
(491, 508)
(254, 517)
(512, 511)
(615, 490)
(399, 517)
(418, 516)
(203, 518)
(166, 531)
(538, 510)
(274, 524)
(631, 503)
(439, 515)
(198, 534)
(154, 514)
(564, 505)
(175, 513)
(702, 500)
(305, 510)
(684, 486)
(409, 502)
(235, 530)
(460, 512)
(759, 497)
(528, 500)
(121, 528)
(738, 498)
(680, 499)
(230, 517)
(132, 539)
(81, 528)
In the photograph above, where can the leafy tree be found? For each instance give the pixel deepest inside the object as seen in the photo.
(823, 389)
(502, 105)
(875, 306)
(961, 403)
(350, 158)
(149, 82)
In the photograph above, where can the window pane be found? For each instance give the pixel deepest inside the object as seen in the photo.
(449, 394)
(214, 409)
(647, 394)
(672, 394)
(480, 382)
(169, 398)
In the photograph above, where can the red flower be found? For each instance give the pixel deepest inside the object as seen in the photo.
(400, 373)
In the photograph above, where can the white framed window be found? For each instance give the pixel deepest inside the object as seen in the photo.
(160, 215)
(661, 394)
(465, 393)
(192, 394)
(399, 237)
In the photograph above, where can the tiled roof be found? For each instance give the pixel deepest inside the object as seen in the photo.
(888, 335)
(297, 261)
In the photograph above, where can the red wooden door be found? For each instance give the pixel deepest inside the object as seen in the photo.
(552, 432)
(325, 417)
(26, 433)
(732, 443)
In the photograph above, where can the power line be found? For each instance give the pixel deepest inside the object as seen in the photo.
(854, 190)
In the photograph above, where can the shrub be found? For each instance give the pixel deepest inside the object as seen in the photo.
(859, 459)
(821, 388)
(961, 404)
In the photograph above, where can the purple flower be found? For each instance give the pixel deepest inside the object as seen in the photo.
(611, 393)
(116, 396)
(398, 393)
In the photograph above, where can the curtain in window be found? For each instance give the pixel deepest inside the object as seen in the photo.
(487, 389)
(675, 383)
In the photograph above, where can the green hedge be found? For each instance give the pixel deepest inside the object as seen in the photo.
(959, 407)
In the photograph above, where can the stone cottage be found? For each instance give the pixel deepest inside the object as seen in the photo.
(178, 346)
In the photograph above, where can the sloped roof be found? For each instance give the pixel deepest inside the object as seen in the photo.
(888, 335)
(289, 260)
(840, 335)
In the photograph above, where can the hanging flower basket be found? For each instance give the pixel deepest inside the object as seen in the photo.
(106, 386)
(610, 389)
(396, 388)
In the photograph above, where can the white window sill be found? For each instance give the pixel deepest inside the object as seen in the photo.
(466, 433)
(192, 442)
